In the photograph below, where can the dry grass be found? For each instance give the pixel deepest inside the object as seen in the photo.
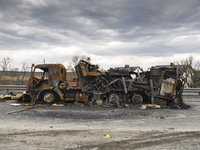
(71, 76)
(16, 79)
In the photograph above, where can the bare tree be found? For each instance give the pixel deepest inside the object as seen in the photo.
(13, 74)
(71, 66)
(191, 70)
(75, 60)
(196, 74)
(21, 75)
(25, 69)
(5, 63)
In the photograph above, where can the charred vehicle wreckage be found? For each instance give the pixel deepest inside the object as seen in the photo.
(118, 86)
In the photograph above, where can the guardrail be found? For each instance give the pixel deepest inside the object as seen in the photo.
(187, 91)
(9, 88)
(191, 91)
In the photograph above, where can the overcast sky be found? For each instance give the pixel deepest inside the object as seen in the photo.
(112, 32)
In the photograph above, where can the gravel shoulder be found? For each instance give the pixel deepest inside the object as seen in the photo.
(82, 127)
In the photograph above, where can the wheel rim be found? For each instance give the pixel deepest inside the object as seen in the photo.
(113, 98)
(137, 99)
(48, 97)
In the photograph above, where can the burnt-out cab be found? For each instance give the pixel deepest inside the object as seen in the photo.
(166, 83)
(47, 82)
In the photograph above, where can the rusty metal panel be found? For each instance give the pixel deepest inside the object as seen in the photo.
(74, 85)
(55, 77)
(160, 102)
(167, 87)
(81, 98)
(71, 84)
(152, 91)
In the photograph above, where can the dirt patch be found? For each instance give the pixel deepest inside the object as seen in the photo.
(179, 105)
(82, 127)
(147, 140)
(91, 139)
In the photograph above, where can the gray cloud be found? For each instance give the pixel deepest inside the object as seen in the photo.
(101, 28)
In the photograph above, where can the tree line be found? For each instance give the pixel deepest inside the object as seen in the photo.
(10, 75)
(189, 67)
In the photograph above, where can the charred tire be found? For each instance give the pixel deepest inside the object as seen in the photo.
(113, 98)
(137, 99)
(49, 97)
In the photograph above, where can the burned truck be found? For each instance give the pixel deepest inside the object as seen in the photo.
(160, 85)
(121, 85)
(166, 84)
(48, 84)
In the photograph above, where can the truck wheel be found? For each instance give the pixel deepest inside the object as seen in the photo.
(137, 99)
(113, 98)
(49, 97)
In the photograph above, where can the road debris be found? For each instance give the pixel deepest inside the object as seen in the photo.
(107, 136)
(58, 104)
(99, 102)
(126, 105)
(15, 104)
(154, 106)
(14, 97)
(7, 97)
(28, 108)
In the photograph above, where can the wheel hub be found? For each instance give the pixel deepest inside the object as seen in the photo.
(48, 97)
(137, 99)
(113, 98)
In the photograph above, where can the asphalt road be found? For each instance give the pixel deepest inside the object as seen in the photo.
(83, 127)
